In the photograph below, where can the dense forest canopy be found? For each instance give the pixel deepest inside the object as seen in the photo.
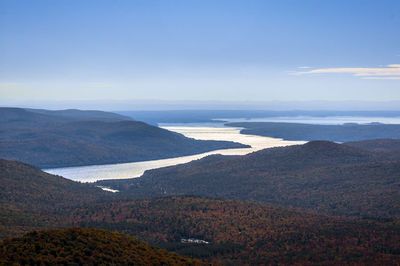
(332, 178)
(80, 246)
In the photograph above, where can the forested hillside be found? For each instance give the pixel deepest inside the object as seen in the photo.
(20, 118)
(49, 139)
(31, 199)
(252, 233)
(79, 246)
(75, 114)
(236, 232)
(324, 176)
(34, 189)
(338, 133)
(379, 145)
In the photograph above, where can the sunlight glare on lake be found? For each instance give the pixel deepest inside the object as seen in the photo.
(232, 134)
(93, 173)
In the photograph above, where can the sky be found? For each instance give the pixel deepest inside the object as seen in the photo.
(199, 50)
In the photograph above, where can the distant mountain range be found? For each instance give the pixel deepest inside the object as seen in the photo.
(50, 139)
(322, 176)
(184, 115)
(18, 117)
(337, 133)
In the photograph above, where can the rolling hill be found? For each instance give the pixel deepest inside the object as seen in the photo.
(79, 246)
(248, 233)
(236, 232)
(327, 177)
(378, 145)
(19, 117)
(75, 114)
(337, 133)
(31, 199)
(33, 189)
(50, 139)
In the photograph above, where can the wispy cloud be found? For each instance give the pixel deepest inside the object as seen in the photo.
(391, 71)
(381, 78)
(304, 67)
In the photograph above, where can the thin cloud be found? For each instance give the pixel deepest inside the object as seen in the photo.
(381, 78)
(391, 71)
(304, 67)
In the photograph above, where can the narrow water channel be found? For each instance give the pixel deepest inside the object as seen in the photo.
(93, 173)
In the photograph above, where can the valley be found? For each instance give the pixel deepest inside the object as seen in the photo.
(222, 133)
(49, 139)
(324, 176)
(136, 169)
(271, 201)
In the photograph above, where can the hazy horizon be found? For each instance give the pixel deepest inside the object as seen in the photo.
(160, 105)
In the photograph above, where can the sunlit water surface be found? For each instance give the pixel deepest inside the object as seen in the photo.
(130, 170)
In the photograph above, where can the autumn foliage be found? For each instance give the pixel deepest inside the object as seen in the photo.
(248, 232)
(78, 246)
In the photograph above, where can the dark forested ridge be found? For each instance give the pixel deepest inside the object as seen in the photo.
(75, 114)
(339, 133)
(237, 232)
(318, 203)
(29, 187)
(50, 139)
(19, 117)
(331, 178)
(379, 145)
(79, 246)
(251, 233)
(30, 198)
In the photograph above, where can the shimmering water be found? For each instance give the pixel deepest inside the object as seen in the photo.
(130, 170)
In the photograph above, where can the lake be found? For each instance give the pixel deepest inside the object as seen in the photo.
(207, 131)
(135, 169)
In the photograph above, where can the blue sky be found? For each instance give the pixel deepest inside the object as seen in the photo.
(199, 50)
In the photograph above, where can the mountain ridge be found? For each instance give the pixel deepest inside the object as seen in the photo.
(332, 178)
(81, 246)
(338, 133)
(51, 141)
(237, 232)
